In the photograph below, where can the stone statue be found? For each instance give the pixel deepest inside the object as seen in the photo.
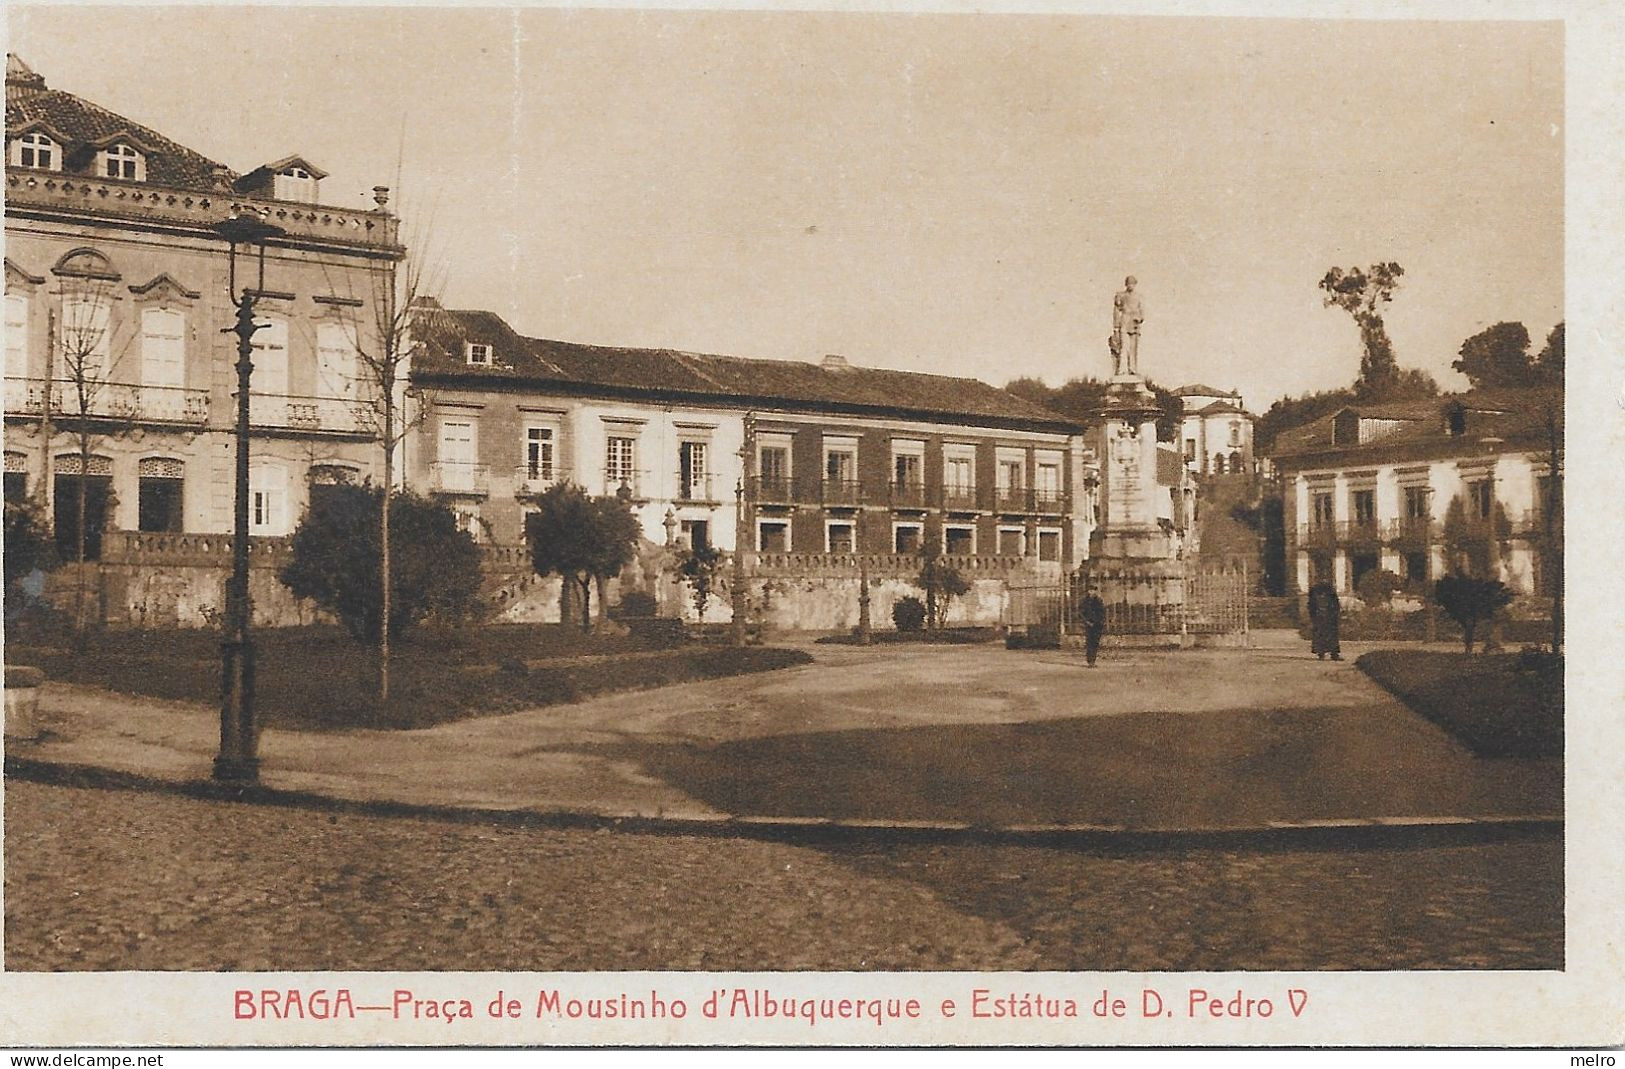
(1128, 312)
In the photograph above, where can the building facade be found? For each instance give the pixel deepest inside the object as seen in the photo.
(1216, 434)
(117, 292)
(1422, 489)
(823, 458)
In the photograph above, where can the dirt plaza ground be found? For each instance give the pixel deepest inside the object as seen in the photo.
(974, 734)
(1195, 740)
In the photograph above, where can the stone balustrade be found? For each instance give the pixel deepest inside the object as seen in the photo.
(124, 401)
(203, 550)
(850, 565)
(143, 202)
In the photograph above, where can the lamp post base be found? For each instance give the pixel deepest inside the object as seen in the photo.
(236, 763)
(237, 771)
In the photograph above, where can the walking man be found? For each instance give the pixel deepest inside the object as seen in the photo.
(1323, 620)
(1092, 613)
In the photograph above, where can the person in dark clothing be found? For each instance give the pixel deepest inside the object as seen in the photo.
(1092, 613)
(1324, 610)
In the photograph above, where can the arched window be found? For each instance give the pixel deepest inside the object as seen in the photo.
(36, 150)
(122, 161)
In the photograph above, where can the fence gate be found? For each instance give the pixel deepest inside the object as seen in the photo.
(1138, 602)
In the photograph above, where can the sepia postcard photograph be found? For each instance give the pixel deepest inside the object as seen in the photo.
(870, 527)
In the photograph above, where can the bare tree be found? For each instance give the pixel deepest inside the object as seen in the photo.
(394, 310)
(93, 405)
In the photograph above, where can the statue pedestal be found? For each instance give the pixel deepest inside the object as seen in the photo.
(1130, 525)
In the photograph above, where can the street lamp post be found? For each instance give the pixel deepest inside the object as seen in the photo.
(237, 762)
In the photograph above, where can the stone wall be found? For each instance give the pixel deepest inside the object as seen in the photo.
(178, 580)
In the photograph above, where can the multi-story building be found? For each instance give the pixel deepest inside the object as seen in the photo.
(117, 293)
(1217, 432)
(826, 458)
(1424, 488)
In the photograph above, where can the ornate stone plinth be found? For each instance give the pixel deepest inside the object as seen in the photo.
(1130, 522)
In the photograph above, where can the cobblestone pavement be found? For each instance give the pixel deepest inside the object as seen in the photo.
(126, 880)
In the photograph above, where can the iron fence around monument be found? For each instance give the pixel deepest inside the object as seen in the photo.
(1137, 602)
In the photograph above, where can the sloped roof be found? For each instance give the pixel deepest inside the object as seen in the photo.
(1420, 428)
(1220, 408)
(81, 126)
(546, 363)
(1199, 390)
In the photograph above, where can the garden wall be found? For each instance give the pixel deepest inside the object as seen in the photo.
(148, 580)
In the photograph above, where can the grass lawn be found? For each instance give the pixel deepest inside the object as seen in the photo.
(319, 678)
(1484, 700)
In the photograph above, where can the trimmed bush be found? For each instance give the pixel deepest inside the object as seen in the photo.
(908, 614)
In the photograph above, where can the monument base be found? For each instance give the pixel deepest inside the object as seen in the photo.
(1134, 544)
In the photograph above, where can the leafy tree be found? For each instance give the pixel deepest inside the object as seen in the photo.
(1081, 399)
(28, 544)
(1470, 601)
(941, 583)
(1549, 364)
(434, 569)
(582, 539)
(701, 566)
(1497, 356)
(1362, 293)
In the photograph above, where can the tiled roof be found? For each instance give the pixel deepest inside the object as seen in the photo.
(83, 127)
(1198, 390)
(1219, 408)
(1420, 428)
(543, 363)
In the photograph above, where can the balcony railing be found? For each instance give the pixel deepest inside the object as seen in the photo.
(907, 495)
(1015, 499)
(457, 477)
(1412, 530)
(959, 497)
(1049, 501)
(1359, 532)
(336, 415)
(620, 482)
(1322, 535)
(109, 400)
(695, 487)
(841, 492)
(532, 478)
(771, 489)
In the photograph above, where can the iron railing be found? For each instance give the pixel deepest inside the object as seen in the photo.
(458, 477)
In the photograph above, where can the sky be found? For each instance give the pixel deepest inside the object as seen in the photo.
(958, 194)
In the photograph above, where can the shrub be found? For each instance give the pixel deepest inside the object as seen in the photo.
(700, 566)
(29, 547)
(636, 604)
(908, 614)
(941, 583)
(434, 568)
(1470, 601)
(1377, 587)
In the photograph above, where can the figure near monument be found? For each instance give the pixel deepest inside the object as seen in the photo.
(1128, 312)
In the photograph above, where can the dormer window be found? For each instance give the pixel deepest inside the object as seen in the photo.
(295, 183)
(122, 161)
(479, 354)
(36, 150)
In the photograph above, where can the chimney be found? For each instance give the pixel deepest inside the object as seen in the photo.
(835, 362)
(21, 81)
